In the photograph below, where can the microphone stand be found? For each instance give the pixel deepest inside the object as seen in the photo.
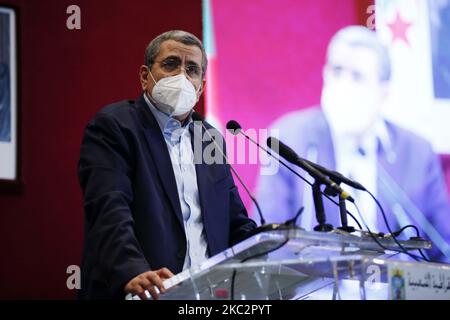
(343, 213)
(320, 212)
(342, 207)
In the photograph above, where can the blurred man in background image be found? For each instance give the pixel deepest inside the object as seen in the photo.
(349, 134)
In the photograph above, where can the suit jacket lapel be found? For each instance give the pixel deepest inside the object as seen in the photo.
(324, 143)
(391, 167)
(160, 155)
(209, 203)
(205, 191)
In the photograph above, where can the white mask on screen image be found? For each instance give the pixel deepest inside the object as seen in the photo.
(349, 110)
(174, 95)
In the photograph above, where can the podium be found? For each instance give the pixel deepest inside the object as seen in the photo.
(296, 264)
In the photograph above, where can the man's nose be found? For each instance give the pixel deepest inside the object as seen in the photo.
(183, 71)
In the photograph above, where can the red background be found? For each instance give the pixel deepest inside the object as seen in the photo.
(65, 78)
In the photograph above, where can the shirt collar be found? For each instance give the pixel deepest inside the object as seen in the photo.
(382, 134)
(167, 123)
(379, 134)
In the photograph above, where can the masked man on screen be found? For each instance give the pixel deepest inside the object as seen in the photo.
(348, 134)
(150, 211)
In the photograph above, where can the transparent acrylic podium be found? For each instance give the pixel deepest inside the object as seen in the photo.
(305, 265)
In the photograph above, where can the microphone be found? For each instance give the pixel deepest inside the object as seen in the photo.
(198, 117)
(235, 129)
(233, 125)
(292, 157)
(336, 176)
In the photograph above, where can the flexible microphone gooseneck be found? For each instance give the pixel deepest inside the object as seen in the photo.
(336, 176)
(197, 117)
(287, 153)
(235, 128)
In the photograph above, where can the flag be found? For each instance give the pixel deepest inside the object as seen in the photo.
(416, 33)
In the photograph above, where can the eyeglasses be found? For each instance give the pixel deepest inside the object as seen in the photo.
(172, 64)
(337, 71)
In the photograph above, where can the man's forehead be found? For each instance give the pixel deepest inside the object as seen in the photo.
(354, 57)
(175, 48)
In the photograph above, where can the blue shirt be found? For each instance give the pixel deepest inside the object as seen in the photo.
(178, 141)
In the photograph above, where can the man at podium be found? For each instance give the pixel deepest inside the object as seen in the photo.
(150, 211)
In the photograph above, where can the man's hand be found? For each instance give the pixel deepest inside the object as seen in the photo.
(147, 281)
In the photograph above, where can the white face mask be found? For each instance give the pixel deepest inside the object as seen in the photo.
(350, 110)
(174, 95)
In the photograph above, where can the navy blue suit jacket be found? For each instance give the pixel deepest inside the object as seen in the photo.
(133, 220)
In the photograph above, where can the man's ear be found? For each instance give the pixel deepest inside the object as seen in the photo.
(143, 76)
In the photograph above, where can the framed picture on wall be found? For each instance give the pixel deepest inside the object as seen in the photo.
(9, 114)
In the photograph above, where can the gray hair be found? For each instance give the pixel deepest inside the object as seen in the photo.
(359, 36)
(177, 35)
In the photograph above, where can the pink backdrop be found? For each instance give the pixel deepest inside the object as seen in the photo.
(269, 59)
